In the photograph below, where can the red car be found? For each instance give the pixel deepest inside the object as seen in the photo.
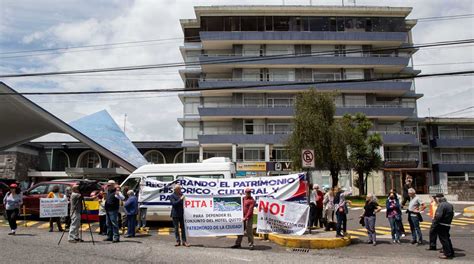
(31, 196)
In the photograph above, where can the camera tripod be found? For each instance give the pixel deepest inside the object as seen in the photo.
(88, 222)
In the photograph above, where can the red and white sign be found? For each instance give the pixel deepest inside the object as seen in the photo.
(307, 158)
(275, 216)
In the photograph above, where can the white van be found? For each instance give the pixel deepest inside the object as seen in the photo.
(213, 168)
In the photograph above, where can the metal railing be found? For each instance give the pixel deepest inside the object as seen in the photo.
(440, 188)
(292, 104)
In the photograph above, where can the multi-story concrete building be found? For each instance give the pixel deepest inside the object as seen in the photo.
(254, 59)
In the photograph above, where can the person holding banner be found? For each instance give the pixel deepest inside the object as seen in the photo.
(177, 213)
(328, 204)
(55, 194)
(12, 202)
(340, 206)
(248, 204)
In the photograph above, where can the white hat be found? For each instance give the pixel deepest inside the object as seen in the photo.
(111, 182)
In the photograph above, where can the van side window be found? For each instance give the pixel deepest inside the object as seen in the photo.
(208, 176)
(162, 178)
(132, 183)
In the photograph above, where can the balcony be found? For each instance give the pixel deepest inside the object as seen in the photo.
(246, 111)
(243, 139)
(390, 63)
(453, 142)
(461, 166)
(392, 87)
(398, 137)
(225, 39)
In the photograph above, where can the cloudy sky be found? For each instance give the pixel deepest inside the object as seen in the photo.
(49, 24)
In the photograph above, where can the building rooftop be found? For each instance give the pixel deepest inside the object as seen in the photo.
(449, 120)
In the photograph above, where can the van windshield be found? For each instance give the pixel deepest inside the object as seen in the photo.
(207, 176)
(132, 183)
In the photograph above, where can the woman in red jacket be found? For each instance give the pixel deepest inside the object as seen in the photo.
(248, 203)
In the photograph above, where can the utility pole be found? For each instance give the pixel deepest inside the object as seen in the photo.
(125, 123)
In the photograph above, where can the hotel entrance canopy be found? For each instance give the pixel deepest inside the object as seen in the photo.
(21, 121)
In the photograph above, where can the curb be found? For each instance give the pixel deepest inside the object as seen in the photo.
(311, 243)
(357, 205)
(469, 210)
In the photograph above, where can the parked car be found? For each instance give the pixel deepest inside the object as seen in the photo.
(3, 190)
(31, 197)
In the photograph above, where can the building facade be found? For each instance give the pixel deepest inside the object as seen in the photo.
(249, 62)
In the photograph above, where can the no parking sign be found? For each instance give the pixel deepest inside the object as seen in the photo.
(307, 158)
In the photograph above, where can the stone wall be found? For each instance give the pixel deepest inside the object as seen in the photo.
(464, 189)
(15, 165)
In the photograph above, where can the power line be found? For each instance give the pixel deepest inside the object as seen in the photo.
(243, 87)
(457, 111)
(239, 59)
(152, 41)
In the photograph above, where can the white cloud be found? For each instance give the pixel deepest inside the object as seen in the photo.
(155, 118)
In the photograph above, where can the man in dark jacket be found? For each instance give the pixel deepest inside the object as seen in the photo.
(131, 209)
(177, 213)
(112, 204)
(248, 203)
(442, 224)
(406, 186)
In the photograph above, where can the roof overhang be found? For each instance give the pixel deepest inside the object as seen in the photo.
(22, 121)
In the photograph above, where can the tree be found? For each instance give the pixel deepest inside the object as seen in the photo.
(316, 128)
(364, 155)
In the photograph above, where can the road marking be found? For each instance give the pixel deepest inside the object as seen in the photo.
(382, 232)
(357, 233)
(356, 208)
(455, 222)
(456, 214)
(233, 237)
(45, 225)
(384, 228)
(463, 221)
(467, 219)
(84, 227)
(31, 223)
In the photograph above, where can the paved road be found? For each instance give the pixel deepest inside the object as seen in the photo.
(36, 245)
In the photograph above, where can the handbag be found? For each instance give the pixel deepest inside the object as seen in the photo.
(420, 218)
(361, 221)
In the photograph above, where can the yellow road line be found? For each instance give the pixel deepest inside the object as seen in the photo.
(383, 228)
(31, 223)
(458, 223)
(382, 232)
(233, 237)
(356, 233)
(354, 237)
(84, 227)
(466, 218)
(45, 225)
(462, 221)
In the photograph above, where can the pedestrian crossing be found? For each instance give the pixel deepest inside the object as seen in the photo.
(385, 231)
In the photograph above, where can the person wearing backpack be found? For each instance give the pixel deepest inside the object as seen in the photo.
(12, 202)
(55, 194)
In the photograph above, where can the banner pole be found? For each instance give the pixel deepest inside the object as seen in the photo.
(308, 192)
(24, 215)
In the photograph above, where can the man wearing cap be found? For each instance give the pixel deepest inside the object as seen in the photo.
(248, 203)
(442, 224)
(12, 202)
(112, 204)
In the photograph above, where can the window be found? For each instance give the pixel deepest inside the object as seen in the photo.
(155, 157)
(191, 130)
(89, 159)
(191, 157)
(281, 23)
(252, 50)
(249, 23)
(354, 74)
(456, 176)
(162, 178)
(208, 155)
(354, 100)
(279, 102)
(447, 132)
(318, 23)
(281, 75)
(251, 75)
(272, 50)
(51, 187)
(280, 154)
(132, 183)
(326, 75)
(40, 189)
(191, 106)
(253, 100)
(209, 176)
(191, 35)
(253, 154)
(449, 157)
(279, 128)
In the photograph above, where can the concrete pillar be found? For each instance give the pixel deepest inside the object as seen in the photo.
(234, 153)
(201, 153)
(267, 152)
(466, 176)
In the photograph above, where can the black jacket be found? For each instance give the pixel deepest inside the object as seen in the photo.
(177, 206)
(444, 214)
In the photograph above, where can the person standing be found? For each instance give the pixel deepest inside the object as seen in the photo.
(55, 194)
(177, 213)
(131, 209)
(328, 205)
(12, 202)
(312, 208)
(340, 206)
(112, 204)
(442, 224)
(433, 234)
(76, 209)
(370, 209)
(394, 214)
(102, 214)
(67, 219)
(319, 206)
(248, 203)
(406, 186)
(415, 207)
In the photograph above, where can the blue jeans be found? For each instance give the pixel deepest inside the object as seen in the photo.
(178, 222)
(142, 217)
(131, 225)
(112, 225)
(394, 226)
(341, 222)
(415, 228)
(370, 226)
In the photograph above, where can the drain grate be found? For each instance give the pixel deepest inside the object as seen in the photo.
(301, 250)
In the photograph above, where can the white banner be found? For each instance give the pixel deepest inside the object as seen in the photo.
(287, 187)
(213, 216)
(53, 207)
(281, 217)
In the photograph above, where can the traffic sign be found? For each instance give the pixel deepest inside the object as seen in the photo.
(307, 158)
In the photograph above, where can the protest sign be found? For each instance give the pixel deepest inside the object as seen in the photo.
(53, 207)
(213, 216)
(287, 187)
(281, 217)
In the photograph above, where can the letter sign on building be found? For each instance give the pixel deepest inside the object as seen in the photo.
(307, 158)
